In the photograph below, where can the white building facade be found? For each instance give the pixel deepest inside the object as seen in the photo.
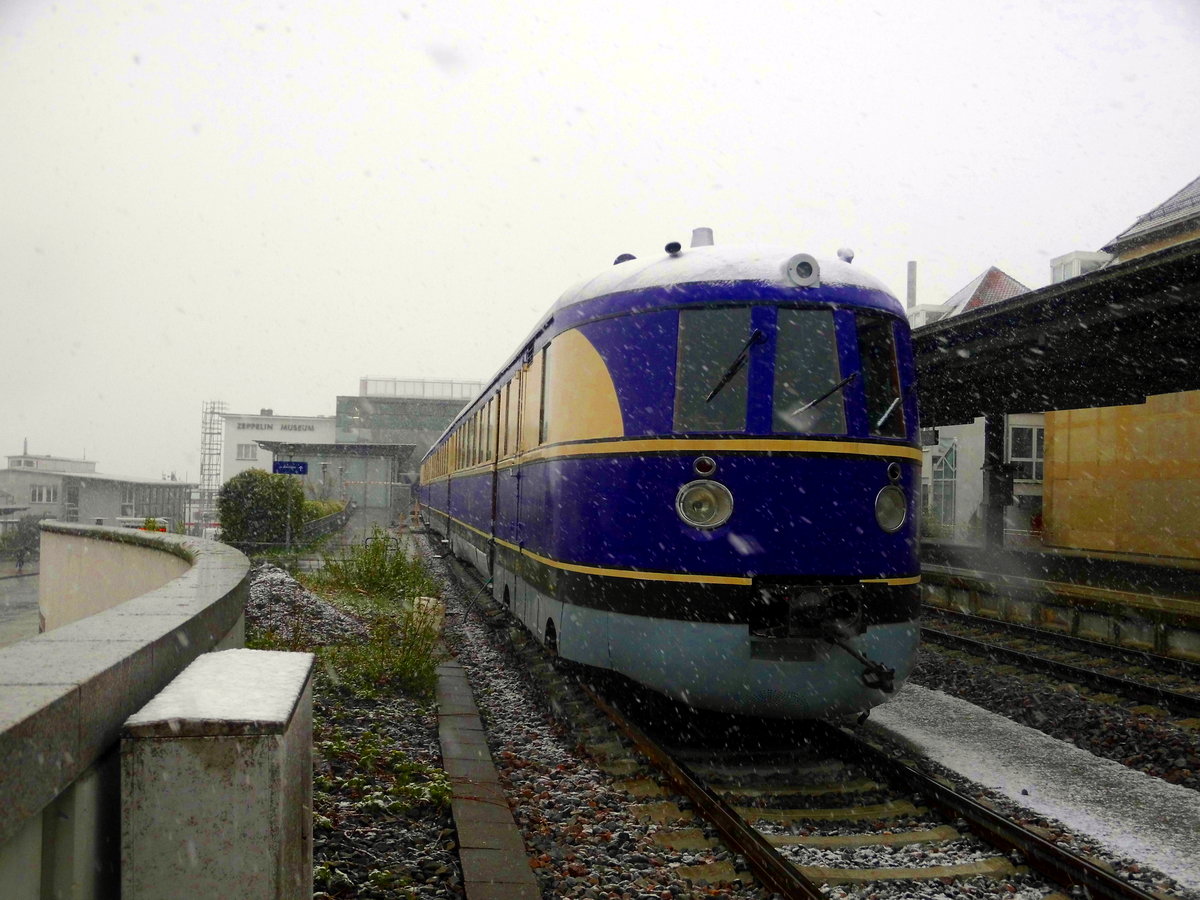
(240, 450)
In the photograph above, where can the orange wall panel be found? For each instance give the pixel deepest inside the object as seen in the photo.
(1125, 478)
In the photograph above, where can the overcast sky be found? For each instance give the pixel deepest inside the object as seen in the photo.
(261, 203)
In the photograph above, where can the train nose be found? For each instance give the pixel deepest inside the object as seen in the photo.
(807, 612)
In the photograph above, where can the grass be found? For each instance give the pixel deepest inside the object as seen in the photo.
(378, 568)
(396, 599)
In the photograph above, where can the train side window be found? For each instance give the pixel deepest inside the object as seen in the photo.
(504, 422)
(710, 343)
(514, 409)
(880, 375)
(806, 374)
(531, 414)
(542, 399)
(489, 430)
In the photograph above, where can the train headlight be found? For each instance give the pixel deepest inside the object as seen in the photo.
(704, 504)
(891, 508)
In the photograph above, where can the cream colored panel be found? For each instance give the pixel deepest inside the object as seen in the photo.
(581, 401)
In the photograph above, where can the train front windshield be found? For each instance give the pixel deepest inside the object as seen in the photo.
(716, 347)
(808, 376)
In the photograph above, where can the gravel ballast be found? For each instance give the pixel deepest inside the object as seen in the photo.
(581, 834)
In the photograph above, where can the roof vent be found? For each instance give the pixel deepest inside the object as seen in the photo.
(846, 255)
(266, 412)
(702, 237)
(624, 257)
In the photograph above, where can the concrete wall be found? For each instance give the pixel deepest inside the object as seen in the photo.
(80, 578)
(1126, 478)
(65, 694)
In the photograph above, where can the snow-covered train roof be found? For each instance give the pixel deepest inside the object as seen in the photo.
(711, 264)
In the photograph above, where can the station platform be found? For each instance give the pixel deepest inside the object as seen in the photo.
(1150, 604)
(1162, 583)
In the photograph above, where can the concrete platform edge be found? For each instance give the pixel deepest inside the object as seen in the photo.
(487, 831)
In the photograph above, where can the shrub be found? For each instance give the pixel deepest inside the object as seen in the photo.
(255, 508)
(319, 509)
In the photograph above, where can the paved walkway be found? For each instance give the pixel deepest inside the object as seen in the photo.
(490, 847)
(19, 613)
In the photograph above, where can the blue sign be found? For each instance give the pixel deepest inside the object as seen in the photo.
(287, 467)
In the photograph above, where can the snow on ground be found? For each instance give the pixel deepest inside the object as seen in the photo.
(1131, 813)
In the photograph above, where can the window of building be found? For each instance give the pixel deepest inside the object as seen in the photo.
(807, 373)
(945, 470)
(43, 493)
(1026, 451)
(127, 500)
(714, 345)
(247, 451)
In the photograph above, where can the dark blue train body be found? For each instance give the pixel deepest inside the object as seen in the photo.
(702, 470)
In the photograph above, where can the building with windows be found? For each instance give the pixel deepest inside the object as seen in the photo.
(367, 452)
(1077, 263)
(952, 474)
(71, 490)
(1122, 479)
(10, 511)
(241, 450)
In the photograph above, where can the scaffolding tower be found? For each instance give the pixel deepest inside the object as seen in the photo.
(212, 440)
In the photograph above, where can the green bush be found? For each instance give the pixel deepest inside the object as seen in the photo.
(319, 509)
(255, 507)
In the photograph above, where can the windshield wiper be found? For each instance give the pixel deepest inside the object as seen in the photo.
(825, 396)
(887, 412)
(736, 365)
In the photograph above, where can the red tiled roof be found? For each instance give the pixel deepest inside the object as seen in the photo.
(987, 288)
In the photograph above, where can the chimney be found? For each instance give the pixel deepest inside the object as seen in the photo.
(912, 284)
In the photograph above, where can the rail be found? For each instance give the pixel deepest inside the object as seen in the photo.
(1174, 701)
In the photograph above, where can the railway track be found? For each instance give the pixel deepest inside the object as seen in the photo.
(776, 809)
(799, 814)
(1170, 684)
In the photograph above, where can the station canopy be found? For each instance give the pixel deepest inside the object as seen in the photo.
(1109, 338)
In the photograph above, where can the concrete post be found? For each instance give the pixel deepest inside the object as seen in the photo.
(216, 782)
(994, 496)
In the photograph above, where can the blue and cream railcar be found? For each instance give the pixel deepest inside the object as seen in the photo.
(702, 471)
